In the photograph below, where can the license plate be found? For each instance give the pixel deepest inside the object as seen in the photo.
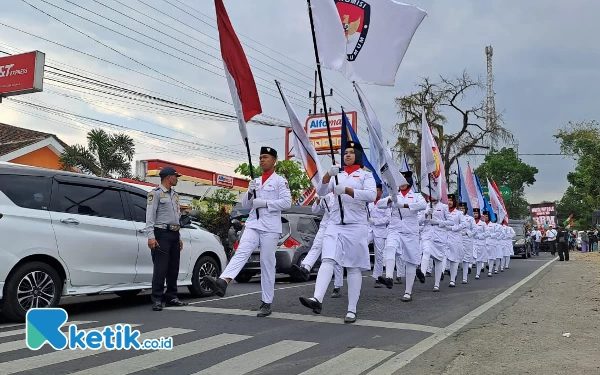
(254, 258)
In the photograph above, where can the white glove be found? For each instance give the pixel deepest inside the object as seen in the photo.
(429, 211)
(252, 186)
(382, 203)
(334, 170)
(394, 198)
(259, 203)
(371, 220)
(455, 228)
(340, 189)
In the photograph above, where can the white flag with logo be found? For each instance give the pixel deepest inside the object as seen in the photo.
(389, 171)
(375, 35)
(431, 164)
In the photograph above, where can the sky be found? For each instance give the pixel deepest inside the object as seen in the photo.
(545, 72)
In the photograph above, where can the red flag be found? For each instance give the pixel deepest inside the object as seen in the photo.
(237, 70)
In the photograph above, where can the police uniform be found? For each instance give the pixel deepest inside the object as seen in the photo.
(272, 195)
(162, 224)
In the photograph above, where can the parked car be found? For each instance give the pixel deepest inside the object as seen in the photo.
(73, 234)
(522, 244)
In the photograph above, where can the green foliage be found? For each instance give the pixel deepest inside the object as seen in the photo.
(505, 168)
(582, 142)
(292, 170)
(106, 155)
(215, 216)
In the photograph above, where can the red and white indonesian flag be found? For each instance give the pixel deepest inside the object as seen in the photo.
(499, 195)
(365, 40)
(497, 205)
(303, 146)
(237, 70)
(432, 170)
(471, 188)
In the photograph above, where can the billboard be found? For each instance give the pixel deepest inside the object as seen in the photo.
(22, 74)
(316, 129)
(543, 214)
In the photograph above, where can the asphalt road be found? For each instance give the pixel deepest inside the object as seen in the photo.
(223, 335)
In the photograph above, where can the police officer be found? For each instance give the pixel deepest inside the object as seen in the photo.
(267, 196)
(162, 227)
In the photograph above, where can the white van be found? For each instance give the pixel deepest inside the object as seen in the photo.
(64, 234)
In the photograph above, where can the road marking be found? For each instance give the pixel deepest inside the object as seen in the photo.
(67, 355)
(22, 331)
(256, 359)
(2, 326)
(402, 359)
(312, 318)
(19, 345)
(354, 361)
(161, 357)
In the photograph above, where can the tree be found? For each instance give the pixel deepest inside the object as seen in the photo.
(505, 168)
(581, 141)
(215, 212)
(292, 170)
(107, 155)
(435, 97)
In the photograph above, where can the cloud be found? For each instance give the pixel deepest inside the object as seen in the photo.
(544, 69)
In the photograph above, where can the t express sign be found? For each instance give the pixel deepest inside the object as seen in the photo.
(22, 74)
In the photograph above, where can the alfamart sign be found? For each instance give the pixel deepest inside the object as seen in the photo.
(22, 74)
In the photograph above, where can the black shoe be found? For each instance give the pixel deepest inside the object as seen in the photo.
(157, 306)
(428, 274)
(175, 302)
(313, 304)
(265, 310)
(219, 286)
(378, 284)
(469, 271)
(420, 276)
(388, 282)
(304, 273)
(336, 293)
(350, 319)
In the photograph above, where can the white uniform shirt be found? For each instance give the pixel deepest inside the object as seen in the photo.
(276, 192)
(355, 209)
(470, 227)
(381, 219)
(325, 205)
(433, 231)
(480, 231)
(409, 223)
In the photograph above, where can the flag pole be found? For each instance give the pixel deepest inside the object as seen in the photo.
(318, 61)
(251, 169)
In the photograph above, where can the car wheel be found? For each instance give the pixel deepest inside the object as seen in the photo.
(205, 266)
(128, 293)
(32, 285)
(244, 277)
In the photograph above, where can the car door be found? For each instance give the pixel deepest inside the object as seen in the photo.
(144, 266)
(95, 238)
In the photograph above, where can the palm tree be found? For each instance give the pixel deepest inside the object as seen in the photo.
(107, 155)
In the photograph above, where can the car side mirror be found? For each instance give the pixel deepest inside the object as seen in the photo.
(184, 221)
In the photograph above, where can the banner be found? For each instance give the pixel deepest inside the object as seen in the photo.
(543, 214)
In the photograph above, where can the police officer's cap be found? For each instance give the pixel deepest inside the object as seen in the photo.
(452, 196)
(354, 145)
(168, 171)
(486, 213)
(463, 204)
(269, 151)
(476, 210)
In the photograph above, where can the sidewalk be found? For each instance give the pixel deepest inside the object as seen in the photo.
(527, 336)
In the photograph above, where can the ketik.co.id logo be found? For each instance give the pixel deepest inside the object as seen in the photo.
(44, 326)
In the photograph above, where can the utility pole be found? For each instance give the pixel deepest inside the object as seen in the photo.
(314, 97)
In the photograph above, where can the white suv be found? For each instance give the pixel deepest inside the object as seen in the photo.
(69, 234)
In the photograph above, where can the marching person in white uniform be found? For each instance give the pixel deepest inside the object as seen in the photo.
(497, 236)
(345, 241)
(321, 203)
(490, 242)
(454, 225)
(509, 233)
(434, 238)
(267, 196)
(379, 219)
(479, 245)
(467, 241)
(403, 235)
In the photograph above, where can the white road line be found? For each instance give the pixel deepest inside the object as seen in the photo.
(20, 344)
(354, 361)
(22, 331)
(257, 292)
(312, 318)
(161, 357)
(2, 326)
(402, 359)
(66, 355)
(256, 359)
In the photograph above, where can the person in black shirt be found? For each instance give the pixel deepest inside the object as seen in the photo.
(562, 242)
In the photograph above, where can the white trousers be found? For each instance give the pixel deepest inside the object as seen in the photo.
(379, 247)
(252, 239)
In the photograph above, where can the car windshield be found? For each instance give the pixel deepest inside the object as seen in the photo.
(518, 230)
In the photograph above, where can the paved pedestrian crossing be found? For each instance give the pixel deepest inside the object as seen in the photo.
(256, 355)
